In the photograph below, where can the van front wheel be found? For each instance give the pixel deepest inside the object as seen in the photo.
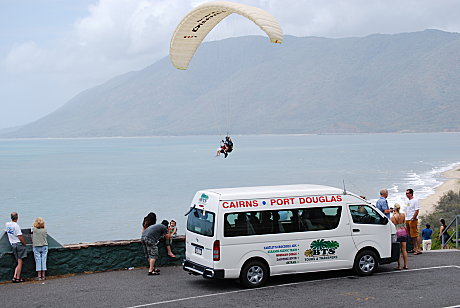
(254, 274)
(366, 263)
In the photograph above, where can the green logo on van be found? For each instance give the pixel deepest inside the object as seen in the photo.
(322, 248)
(204, 198)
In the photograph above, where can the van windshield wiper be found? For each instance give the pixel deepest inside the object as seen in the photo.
(188, 212)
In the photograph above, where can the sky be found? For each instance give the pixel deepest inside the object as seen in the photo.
(50, 50)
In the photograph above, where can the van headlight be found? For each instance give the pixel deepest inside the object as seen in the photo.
(394, 238)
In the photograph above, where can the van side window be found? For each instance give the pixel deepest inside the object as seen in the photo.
(364, 214)
(325, 218)
(283, 221)
(238, 224)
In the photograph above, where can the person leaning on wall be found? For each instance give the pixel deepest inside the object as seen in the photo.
(18, 244)
(40, 247)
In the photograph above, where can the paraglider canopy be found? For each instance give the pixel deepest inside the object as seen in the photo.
(200, 21)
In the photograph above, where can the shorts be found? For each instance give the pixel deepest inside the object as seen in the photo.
(150, 248)
(401, 239)
(426, 244)
(19, 251)
(412, 227)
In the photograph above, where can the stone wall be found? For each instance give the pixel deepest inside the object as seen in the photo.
(93, 257)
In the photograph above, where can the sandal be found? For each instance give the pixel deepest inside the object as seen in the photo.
(156, 270)
(17, 280)
(411, 251)
(418, 253)
(405, 267)
(397, 268)
(153, 273)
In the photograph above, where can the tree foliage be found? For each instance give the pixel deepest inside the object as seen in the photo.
(448, 207)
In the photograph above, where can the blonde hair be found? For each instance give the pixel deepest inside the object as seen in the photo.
(397, 207)
(39, 223)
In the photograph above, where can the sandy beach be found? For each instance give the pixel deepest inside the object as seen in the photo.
(452, 182)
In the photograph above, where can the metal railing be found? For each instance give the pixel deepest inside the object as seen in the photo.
(456, 220)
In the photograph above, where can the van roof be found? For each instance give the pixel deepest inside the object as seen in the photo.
(260, 192)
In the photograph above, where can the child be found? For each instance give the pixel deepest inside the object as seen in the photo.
(168, 241)
(426, 236)
(172, 228)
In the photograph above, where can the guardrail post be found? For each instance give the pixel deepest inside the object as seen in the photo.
(456, 231)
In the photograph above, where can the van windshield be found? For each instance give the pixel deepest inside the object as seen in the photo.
(201, 222)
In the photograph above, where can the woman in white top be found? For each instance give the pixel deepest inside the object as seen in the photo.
(40, 247)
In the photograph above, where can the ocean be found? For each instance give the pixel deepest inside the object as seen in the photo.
(100, 189)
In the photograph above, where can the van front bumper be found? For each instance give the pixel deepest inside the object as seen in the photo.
(206, 272)
(395, 251)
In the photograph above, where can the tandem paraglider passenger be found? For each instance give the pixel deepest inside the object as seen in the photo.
(226, 146)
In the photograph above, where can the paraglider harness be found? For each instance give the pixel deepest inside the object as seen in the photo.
(226, 146)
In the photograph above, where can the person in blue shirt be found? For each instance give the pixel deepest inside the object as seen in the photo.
(382, 203)
(426, 237)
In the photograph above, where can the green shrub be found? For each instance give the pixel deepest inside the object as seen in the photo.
(448, 207)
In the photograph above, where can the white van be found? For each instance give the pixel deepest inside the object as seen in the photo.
(252, 233)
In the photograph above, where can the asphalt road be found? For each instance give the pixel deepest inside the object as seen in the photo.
(433, 280)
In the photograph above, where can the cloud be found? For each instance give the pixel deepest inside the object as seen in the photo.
(115, 37)
(118, 36)
(343, 18)
(25, 57)
(115, 33)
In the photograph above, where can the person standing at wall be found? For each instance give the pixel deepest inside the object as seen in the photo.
(382, 203)
(18, 244)
(150, 238)
(399, 220)
(412, 211)
(444, 236)
(149, 220)
(426, 237)
(40, 247)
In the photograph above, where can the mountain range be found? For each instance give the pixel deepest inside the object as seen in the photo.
(405, 82)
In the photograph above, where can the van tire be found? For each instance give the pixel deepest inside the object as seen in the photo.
(254, 274)
(366, 263)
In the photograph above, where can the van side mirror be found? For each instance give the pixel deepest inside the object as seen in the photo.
(384, 220)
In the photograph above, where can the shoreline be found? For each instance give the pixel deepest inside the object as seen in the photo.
(452, 182)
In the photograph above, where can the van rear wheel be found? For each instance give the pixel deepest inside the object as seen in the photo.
(254, 274)
(366, 263)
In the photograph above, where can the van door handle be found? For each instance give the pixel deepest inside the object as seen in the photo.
(356, 230)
